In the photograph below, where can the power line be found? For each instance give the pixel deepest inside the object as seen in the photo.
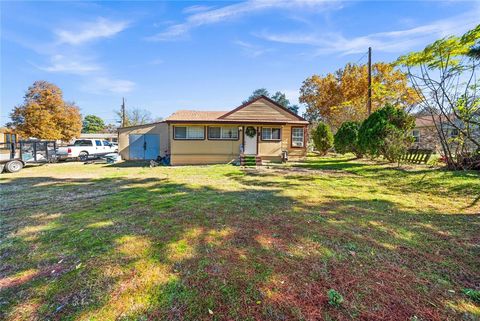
(366, 53)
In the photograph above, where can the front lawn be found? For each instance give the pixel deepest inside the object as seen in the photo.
(127, 242)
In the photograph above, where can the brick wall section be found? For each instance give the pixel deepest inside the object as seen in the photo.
(428, 139)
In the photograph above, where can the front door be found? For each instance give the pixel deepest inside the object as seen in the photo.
(144, 146)
(250, 147)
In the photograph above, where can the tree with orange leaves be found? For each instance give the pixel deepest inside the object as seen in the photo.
(342, 96)
(45, 115)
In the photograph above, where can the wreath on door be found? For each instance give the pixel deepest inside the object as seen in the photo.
(250, 131)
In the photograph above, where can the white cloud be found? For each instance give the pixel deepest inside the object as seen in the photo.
(391, 41)
(71, 65)
(101, 28)
(99, 85)
(196, 8)
(234, 11)
(251, 50)
(95, 77)
(67, 54)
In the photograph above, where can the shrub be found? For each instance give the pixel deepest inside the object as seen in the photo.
(396, 144)
(346, 139)
(386, 132)
(322, 138)
(334, 298)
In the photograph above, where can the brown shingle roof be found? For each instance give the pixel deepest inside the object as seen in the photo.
(195, 115)
(219, 116)
(214, 116)
(424, 121)
(427, 121)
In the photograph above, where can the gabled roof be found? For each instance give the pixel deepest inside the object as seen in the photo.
(271, 101)
(424, 121)
(429, 120)
(278, 114)
(195, 115)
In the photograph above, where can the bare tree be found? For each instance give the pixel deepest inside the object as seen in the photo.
(445, 76)
(135, 116)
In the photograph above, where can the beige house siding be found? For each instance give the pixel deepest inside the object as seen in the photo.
(272, 150)
(294, 153)
(157, 128)
(257, 113)
(186, 152)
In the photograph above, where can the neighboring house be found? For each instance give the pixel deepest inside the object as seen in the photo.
(426, 136)
(111, 137)
(260, 127)
(7, 137)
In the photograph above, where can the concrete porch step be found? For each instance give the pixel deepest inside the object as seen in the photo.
(250, 160)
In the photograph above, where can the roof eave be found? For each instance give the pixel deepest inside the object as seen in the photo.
(141, 125)
(246, 121)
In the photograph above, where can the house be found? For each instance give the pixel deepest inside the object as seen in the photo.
(7, 135)
(426, 136)
(7, 138)
(111, 137)
(260, 128)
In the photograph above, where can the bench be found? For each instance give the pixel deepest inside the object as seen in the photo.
(417, 155)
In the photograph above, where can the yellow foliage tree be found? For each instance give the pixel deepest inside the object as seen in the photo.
(342, 96)
(45, 115)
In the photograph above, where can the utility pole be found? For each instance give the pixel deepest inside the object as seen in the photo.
(123, 111)
(369, 100)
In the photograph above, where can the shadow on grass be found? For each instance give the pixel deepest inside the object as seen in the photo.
(332, 164)
(419, 179)
(129, 164)
(154, 248)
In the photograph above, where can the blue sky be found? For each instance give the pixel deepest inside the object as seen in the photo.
(165, 56)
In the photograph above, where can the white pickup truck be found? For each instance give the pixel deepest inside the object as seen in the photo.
(84, 148)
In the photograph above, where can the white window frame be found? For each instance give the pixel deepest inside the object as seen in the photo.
(224, 130)
(189, 130)
(416, 135)
(271, 133)
(298, 141)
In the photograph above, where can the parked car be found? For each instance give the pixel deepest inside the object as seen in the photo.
(82, 149)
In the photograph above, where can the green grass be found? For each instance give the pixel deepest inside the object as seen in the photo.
(129, 242)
